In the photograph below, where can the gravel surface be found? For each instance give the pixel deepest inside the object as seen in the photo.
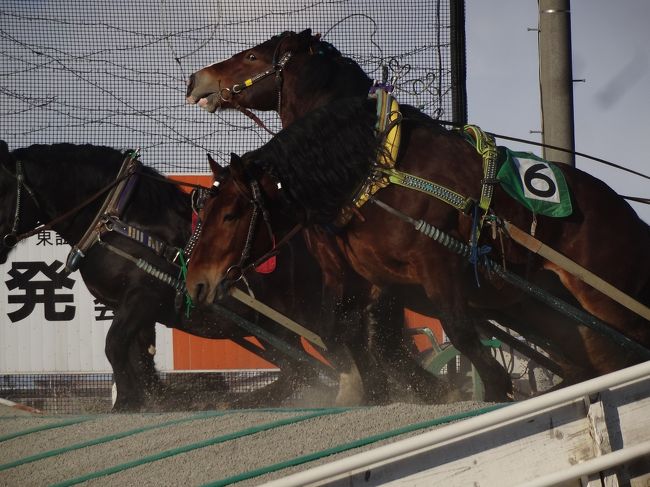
(244, 445)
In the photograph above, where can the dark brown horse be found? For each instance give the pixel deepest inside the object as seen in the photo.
(312, 73)
(320, 165)
(56, 178)
(294, 73)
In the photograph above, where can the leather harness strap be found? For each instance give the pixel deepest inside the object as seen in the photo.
(112, 202)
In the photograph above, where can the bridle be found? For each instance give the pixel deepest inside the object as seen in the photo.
(237, 272)
(277, 66)
(10, 239)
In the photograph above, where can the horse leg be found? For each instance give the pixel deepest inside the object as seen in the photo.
(362, 378)
(346, 295)
(117, 350)
(387, 312)
(142, 368)
(128, 317)
(293, 374)
(463, 329)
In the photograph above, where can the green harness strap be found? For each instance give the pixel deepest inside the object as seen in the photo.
(384, 172)
(430, 188)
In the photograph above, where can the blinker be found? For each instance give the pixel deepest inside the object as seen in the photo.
(74, 260)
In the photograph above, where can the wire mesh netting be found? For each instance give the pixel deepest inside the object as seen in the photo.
(113, 72)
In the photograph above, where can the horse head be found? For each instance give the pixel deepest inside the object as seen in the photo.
(18, 207)
(291, 73)
(235, 229)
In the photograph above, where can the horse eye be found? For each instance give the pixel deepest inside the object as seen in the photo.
(251, 57)
(229, 217)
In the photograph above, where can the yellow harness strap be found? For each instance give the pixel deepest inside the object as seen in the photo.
(384, 173)
(487, 148)
(388, 123)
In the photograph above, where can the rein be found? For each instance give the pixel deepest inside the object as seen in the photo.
(252, 116)
(11, 239)
(238, 271)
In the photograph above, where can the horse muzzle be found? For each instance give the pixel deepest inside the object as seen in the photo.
(233, 275)
(9, 241)
(211, 102)
(205, 91)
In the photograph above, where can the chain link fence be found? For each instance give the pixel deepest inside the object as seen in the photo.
(113, 72)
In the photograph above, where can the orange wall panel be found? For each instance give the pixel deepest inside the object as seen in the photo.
(416, 320)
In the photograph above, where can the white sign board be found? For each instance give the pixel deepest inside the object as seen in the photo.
(50, 322)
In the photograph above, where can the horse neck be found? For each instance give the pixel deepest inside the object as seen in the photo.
(153, 206)
(168, 217)
(57, 196)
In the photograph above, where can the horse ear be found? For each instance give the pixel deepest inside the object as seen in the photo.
(238, 168)
(300, 40)
(305, 34)
(218, 170)
(4, 152)
(245, 170)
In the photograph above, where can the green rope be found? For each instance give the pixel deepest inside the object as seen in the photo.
(194, 446)
(349, 446)
(11, 436)
(189, 305)
(106, 439)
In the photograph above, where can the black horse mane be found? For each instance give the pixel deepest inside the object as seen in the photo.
(322, 158)
(326, 69)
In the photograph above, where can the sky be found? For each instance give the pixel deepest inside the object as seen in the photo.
(611, 108)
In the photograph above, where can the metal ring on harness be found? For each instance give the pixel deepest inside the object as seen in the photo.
(240, 273)
(227, 90)
(10, 240)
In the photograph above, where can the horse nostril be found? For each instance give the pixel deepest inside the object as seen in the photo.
(190, 84)
(223, 290)
(200, 292)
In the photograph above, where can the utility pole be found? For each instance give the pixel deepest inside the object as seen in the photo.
(556, 79)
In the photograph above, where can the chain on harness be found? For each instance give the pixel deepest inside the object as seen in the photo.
(11, 239)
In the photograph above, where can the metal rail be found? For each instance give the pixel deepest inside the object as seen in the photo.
(569, 428)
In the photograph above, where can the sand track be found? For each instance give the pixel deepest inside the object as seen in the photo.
(192, 448)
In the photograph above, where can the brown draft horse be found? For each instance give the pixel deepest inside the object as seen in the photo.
(319, 166)
(293, 74)
(316, 74)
